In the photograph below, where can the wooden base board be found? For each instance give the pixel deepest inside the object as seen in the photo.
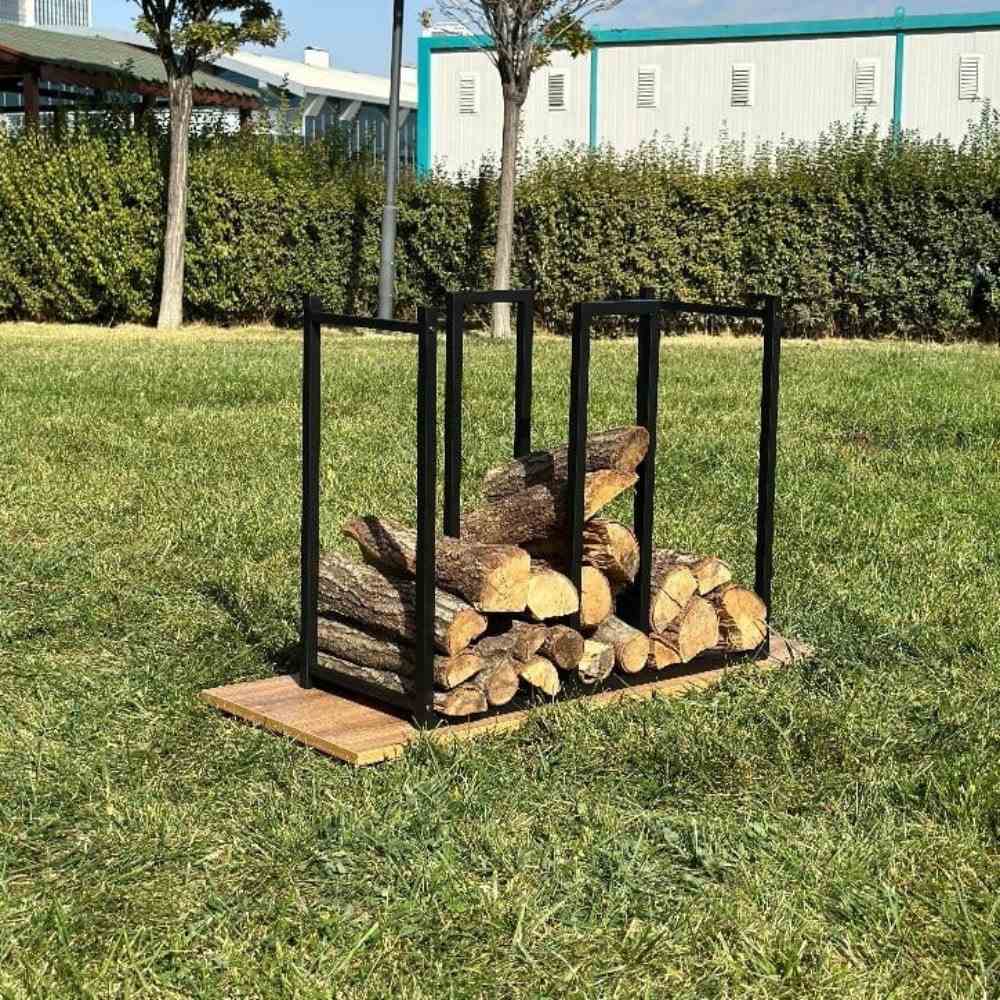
(360, 731)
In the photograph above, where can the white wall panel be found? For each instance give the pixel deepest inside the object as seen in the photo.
(801, 86)
(930, 81)
(462, 141)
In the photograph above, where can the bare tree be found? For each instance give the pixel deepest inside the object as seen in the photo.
(523, 34)
(185, 33)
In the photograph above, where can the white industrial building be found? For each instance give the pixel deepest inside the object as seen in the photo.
(752, 82)
(46, 13)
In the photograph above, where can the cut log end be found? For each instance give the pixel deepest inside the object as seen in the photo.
(563, 646)
(498, 680)
(742, 618)
(551, 594)
(597, 662)
(631, 647)
(695, 630)
(542, 674)
(596, 601)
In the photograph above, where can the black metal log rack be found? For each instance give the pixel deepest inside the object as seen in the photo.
(648, 310)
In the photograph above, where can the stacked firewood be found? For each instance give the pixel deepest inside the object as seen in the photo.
(502, 590)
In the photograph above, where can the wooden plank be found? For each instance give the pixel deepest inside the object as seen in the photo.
(360, 731)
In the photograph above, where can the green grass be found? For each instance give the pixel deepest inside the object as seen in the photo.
(832, 830)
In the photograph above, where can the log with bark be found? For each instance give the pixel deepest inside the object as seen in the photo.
(466, 699)
(563, 646)
(672, 586)
(693, 631)
(522, 641)
(489, 577)
(365, 595)
(710, 572)
(597, 662)
(551, 594)
(742, 618)
(632, 647)
(498, 680)
(621, 449)
(541, 673)
(607, 545)
(540, 511)
(382, 652)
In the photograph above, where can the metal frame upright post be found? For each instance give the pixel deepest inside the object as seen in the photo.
(579, 382)
(766, 471)
(309, 592)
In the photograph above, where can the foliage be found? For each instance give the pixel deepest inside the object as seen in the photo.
(861, 235)
(826, 832)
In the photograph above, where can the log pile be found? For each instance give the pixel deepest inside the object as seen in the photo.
(502, 592)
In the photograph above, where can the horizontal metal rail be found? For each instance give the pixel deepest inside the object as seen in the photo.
(364, 323)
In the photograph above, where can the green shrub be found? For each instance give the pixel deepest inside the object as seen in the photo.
(860, 235)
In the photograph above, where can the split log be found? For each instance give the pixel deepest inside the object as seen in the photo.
(597, 662)
(540, 511)
(551, 594)
(596, 602)
(662, 655)
(498, 680)
(609, 546)
(710, 572)
(490, 577)
(694, 630)
(563, 646)
(631, 646)
(365, 595)
(521, 641)
(742, 618)
(347, 642)
(466, 699)
(542, 674)
(673, 585)
(620, 449)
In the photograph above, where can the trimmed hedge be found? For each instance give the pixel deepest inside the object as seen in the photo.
(860, 235)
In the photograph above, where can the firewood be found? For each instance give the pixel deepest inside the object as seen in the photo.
(539, 511)
(489, 577)
(348, 642)
(367, 596)
(597, 662)
(710, 572)
(542, 674)
(662, 655)
(596, 602)
(551, 594)
(742, 618)
(630, 645)
(563, 646)
(498, 680)
(694, 630)
(620, 449)
(522, 641)
(607, 545)
(673, 585)
(466, 699)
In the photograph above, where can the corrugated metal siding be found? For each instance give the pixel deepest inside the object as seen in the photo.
(930, 81)
(801, 86)
(463, 141)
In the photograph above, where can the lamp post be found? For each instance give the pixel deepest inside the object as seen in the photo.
(386, 273)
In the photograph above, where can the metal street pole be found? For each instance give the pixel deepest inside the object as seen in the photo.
(387, 269)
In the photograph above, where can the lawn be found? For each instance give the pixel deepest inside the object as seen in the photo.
(831, 830)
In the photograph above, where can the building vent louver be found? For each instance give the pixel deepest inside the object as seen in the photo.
(648, 87)
(866, 82)
(970, 77)
(742, 85)
(557, 91)
(468, 94)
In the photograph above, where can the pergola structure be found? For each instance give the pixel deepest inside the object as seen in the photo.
(37, 65)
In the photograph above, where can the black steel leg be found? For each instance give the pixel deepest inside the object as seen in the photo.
(579, 393)
(454, 337)
(523, 377)
(309, 591)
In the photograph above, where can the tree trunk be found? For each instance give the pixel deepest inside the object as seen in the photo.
(505, 211)
(171, 314)
(364, 595)
(489, 577)
(621, 449)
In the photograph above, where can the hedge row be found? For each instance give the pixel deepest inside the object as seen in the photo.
(860, 235)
